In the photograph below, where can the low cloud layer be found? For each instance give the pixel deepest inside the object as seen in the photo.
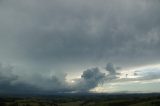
(10, 83)
(40, 84)
(91, 78)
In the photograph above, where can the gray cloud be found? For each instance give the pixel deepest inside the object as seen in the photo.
(10, 83)
(56, 83)
(90, 79)
(6, 74)
(40, 37)
(144, 75)
(111, 69)
(107, 30)
(112, 72)
(150, 74)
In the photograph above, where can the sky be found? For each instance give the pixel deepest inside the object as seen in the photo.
(59, 46)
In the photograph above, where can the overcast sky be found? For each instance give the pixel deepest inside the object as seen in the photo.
(65, 45)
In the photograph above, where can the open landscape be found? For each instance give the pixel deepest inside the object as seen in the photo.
(79, 52)
(84, 100)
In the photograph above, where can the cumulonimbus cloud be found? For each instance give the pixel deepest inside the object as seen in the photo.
(90, 79)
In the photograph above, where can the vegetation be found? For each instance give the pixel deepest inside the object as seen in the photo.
(83, 100)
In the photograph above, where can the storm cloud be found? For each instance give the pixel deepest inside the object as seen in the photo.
(43, 38)
(11, 84)
(90, 79)
(39, 84)
(80, 30)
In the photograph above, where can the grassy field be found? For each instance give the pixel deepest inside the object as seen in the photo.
(84, 100)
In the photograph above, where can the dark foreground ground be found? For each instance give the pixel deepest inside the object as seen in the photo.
(82, 100)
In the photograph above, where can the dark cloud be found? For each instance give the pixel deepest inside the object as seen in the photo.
(111, 69)
(90, 79)
(39, 84)
(10, 84)
(57, 83)
(106, 30)
(40, 37)
(6, 74)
